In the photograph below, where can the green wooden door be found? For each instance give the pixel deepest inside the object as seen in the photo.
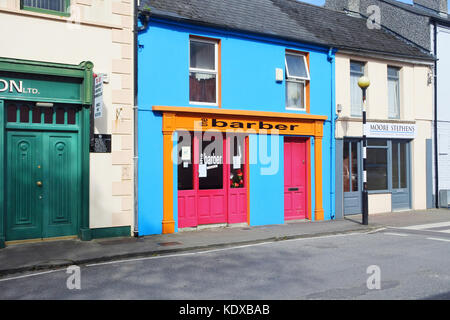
(24, 209)
(60, 184)
(43, 184)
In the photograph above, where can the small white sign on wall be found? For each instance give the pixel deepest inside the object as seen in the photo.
(443, 144)
(98, 97)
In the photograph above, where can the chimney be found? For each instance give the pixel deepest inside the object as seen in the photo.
(440, 6)
(353, 5)
(350, 6)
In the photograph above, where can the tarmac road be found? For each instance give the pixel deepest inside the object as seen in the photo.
(412, 263)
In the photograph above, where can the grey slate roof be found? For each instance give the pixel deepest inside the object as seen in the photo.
(288, 19)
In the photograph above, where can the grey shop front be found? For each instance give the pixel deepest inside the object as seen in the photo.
(389, 167)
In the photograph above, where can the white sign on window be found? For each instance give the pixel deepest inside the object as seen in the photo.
(202, 173)
(390, 130)
(98, 97)
(236, 162)
(185, 153)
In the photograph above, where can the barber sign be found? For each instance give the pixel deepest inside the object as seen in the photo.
(98, 97)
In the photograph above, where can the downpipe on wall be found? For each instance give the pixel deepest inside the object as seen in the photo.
(333, 119)
(144, 18)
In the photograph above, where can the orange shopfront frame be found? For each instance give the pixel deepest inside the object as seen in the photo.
(236, 121)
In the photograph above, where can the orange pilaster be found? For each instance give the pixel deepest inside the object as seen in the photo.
(318, 134)
(168, 224)
(318, 212)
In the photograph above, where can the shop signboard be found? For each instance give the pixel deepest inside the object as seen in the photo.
(39, 88)
(390, 130)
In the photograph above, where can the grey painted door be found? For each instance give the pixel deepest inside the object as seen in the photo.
(401, 190)
(352, 165)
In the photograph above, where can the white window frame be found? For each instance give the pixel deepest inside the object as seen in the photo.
(215, 71)
(302, 80)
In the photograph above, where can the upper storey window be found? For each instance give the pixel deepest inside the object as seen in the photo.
(394, 92)
(59, 7)
(356, 72)
(297, 79)
(203, 71)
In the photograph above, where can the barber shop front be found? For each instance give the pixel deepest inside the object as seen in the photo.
(225, 167)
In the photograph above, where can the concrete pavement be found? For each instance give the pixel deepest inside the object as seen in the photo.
(56, 254)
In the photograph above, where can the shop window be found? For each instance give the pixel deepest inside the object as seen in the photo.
(24, 114)
(11, 113)
(237, 162)
(399, 165)
(350, 166)
(59, 7)
(210, 168)
(394, 92)
(203, 71)
(185, 163)
(64, 114)
(297, 79)
(356, 72)
(377, 165)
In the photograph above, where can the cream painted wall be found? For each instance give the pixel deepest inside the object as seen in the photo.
(102, 34)
(416, 96)
(379, 203)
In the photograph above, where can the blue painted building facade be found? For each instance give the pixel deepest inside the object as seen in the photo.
(249, 88)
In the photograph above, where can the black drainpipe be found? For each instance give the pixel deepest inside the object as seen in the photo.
(436, 154)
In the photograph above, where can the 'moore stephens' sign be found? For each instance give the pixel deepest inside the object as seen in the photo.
(390, 130)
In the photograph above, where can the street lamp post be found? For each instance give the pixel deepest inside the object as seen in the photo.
(364, 83)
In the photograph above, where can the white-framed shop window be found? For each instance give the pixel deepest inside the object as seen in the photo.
(297, 78)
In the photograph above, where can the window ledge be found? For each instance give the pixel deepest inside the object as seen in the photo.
(379, 192)
(47, 11)
(295, 109)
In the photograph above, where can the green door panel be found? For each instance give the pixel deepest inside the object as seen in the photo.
(24, 219)
(62, 181)
(43, 184)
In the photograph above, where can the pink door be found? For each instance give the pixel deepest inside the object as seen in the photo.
(295, 164)
(210, 190)
(237, 173)
(187, 186)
